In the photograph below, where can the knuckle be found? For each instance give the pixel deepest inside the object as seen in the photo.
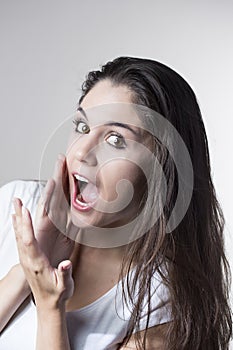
(27, 225)
(17, 237)
(28, 241)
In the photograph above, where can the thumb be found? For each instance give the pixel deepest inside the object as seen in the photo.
(65, 277)
(65, 267)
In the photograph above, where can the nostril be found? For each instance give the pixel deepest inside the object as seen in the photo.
(83, 150)
(86, 157)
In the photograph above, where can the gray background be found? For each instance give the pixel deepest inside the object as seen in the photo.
(47, 47)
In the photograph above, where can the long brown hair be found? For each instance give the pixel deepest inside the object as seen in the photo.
(197, 271)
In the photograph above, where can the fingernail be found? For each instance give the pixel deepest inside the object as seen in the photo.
(61, 156)
(66, 265)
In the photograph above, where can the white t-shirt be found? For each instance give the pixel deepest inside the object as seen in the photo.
(100, 325)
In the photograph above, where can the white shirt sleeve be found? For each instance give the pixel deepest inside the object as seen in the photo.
(29, 193)
(160, 305)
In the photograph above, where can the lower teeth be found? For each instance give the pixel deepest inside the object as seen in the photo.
(79, 200)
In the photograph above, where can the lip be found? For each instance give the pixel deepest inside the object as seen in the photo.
(78, 205)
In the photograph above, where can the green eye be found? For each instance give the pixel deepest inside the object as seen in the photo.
(116, 141)
(81, 127)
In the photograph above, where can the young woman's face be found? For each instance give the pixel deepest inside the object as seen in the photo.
(106, 148)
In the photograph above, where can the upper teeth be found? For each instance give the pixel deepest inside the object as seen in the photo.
(80, 178)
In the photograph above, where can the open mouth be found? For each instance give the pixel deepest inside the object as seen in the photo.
(85, 193)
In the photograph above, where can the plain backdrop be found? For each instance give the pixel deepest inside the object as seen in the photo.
(47, 48)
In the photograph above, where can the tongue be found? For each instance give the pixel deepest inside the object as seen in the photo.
(89, 193)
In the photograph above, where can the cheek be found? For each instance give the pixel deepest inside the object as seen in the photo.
(113, 174)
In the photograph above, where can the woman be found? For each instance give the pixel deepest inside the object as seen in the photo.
(158, 289)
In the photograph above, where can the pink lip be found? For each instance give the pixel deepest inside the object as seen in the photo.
(79, 206)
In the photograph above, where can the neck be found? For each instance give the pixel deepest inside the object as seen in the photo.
(92, 255)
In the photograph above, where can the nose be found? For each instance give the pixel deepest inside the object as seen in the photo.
(84, 149)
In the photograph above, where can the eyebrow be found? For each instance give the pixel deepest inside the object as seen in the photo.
(122, 125)
(80, 109)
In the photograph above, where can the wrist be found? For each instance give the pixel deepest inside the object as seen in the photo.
(51, 328)
(51, 305)
(50, 313)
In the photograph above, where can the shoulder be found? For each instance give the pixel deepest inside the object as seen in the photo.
(155, 317)
(155, 338)
(20, 186)
(155, 304)
(158, 304)
(27, 190)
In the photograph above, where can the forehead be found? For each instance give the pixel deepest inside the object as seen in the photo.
(106, 102)
(104, 92)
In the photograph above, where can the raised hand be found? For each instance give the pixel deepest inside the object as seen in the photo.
(52, 214)
(50, 286)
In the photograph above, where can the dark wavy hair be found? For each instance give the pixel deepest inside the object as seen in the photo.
(198, 273)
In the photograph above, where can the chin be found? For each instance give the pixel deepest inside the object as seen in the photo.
(83, 221)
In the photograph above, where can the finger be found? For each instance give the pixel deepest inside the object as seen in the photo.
(14, 222)
(58, 200)
(27, 234)
(17, 225)
(58, 193)
(30, 255)
(65, 266)
(58, 169)
(17, 206)
(65, 182)
(64, 271)
(29, 242)
(44, 201)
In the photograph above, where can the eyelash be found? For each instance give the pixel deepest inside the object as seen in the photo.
(76, 123)
(113, 133)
